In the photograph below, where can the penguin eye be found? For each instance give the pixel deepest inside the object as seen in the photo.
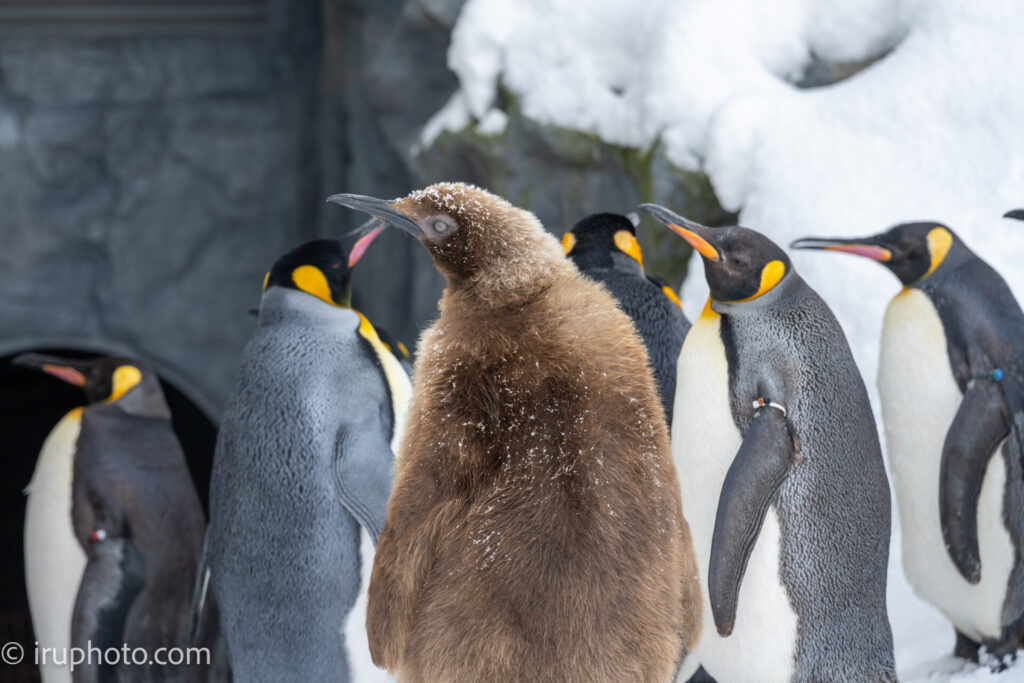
(439, 226)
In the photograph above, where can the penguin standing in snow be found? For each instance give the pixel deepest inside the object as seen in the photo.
(604, 247)
(135, 516)
(535, 531)
(302, 474)
(783, 483)
(951, 380)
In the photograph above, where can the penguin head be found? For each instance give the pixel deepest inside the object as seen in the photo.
(105, 379)
(912, 251)
(739, 264)
(478, 240)
(604, 240)
(323, 268)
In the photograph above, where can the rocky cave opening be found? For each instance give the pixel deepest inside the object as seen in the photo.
(31, 404)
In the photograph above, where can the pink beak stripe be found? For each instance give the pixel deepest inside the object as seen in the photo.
(868, 250)
(362, 244)
(69, 375)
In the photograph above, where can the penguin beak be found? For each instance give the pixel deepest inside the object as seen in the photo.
(61, 368)
(866, 246)
(696, 235)
(380, 208)
(1016, 213)
(358, 241)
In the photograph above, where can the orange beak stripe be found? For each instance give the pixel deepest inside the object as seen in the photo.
(702, 246)
(69, 375)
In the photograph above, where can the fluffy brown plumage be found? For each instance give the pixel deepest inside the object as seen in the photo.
(535, 531)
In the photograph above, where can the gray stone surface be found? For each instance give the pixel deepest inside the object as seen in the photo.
(145, 187)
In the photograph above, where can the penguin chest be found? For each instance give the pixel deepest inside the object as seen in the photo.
(54, 561)
(705, 440)
(920, 398)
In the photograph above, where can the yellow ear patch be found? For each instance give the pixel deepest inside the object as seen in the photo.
(770, 276)
(266, 280)
(125, 378)
(311, 280)
(940, 241)
(627, 244)
(568, 243)
(404, 349)
(671, 294)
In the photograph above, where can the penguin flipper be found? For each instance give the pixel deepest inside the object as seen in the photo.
(363, 471)
(750, 487)
(980, 424)
(113, 577)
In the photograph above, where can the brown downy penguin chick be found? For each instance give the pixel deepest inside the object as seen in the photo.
(535, 530)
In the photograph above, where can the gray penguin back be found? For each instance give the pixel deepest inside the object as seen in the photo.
(280, 542)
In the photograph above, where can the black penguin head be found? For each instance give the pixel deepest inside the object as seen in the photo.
(604, 240)
(323, 268)
(104, 379)
(739, 264)
(912, 251)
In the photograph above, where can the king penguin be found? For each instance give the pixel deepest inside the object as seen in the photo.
(54, 560)
(604, 247)
(114, 475)
(535, 531)
(952, 391)
(301, 475)
(783, 483)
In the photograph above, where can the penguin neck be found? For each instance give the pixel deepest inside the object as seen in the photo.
(957, 256)
(284, 305)
(145, 399)
(788, 287)
(588, 260)
(512, 276)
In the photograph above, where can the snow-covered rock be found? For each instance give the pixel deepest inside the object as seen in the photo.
(934, 129)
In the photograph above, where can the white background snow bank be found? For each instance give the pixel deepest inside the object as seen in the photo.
(934, 130)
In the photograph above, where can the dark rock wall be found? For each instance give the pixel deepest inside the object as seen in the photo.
(146, 184)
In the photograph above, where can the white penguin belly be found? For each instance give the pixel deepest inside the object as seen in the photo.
(357, 645)
(54, 561)
(762, 645)
(920, 397)
(401, 393)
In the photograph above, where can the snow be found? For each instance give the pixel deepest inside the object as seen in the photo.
(933, 130)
